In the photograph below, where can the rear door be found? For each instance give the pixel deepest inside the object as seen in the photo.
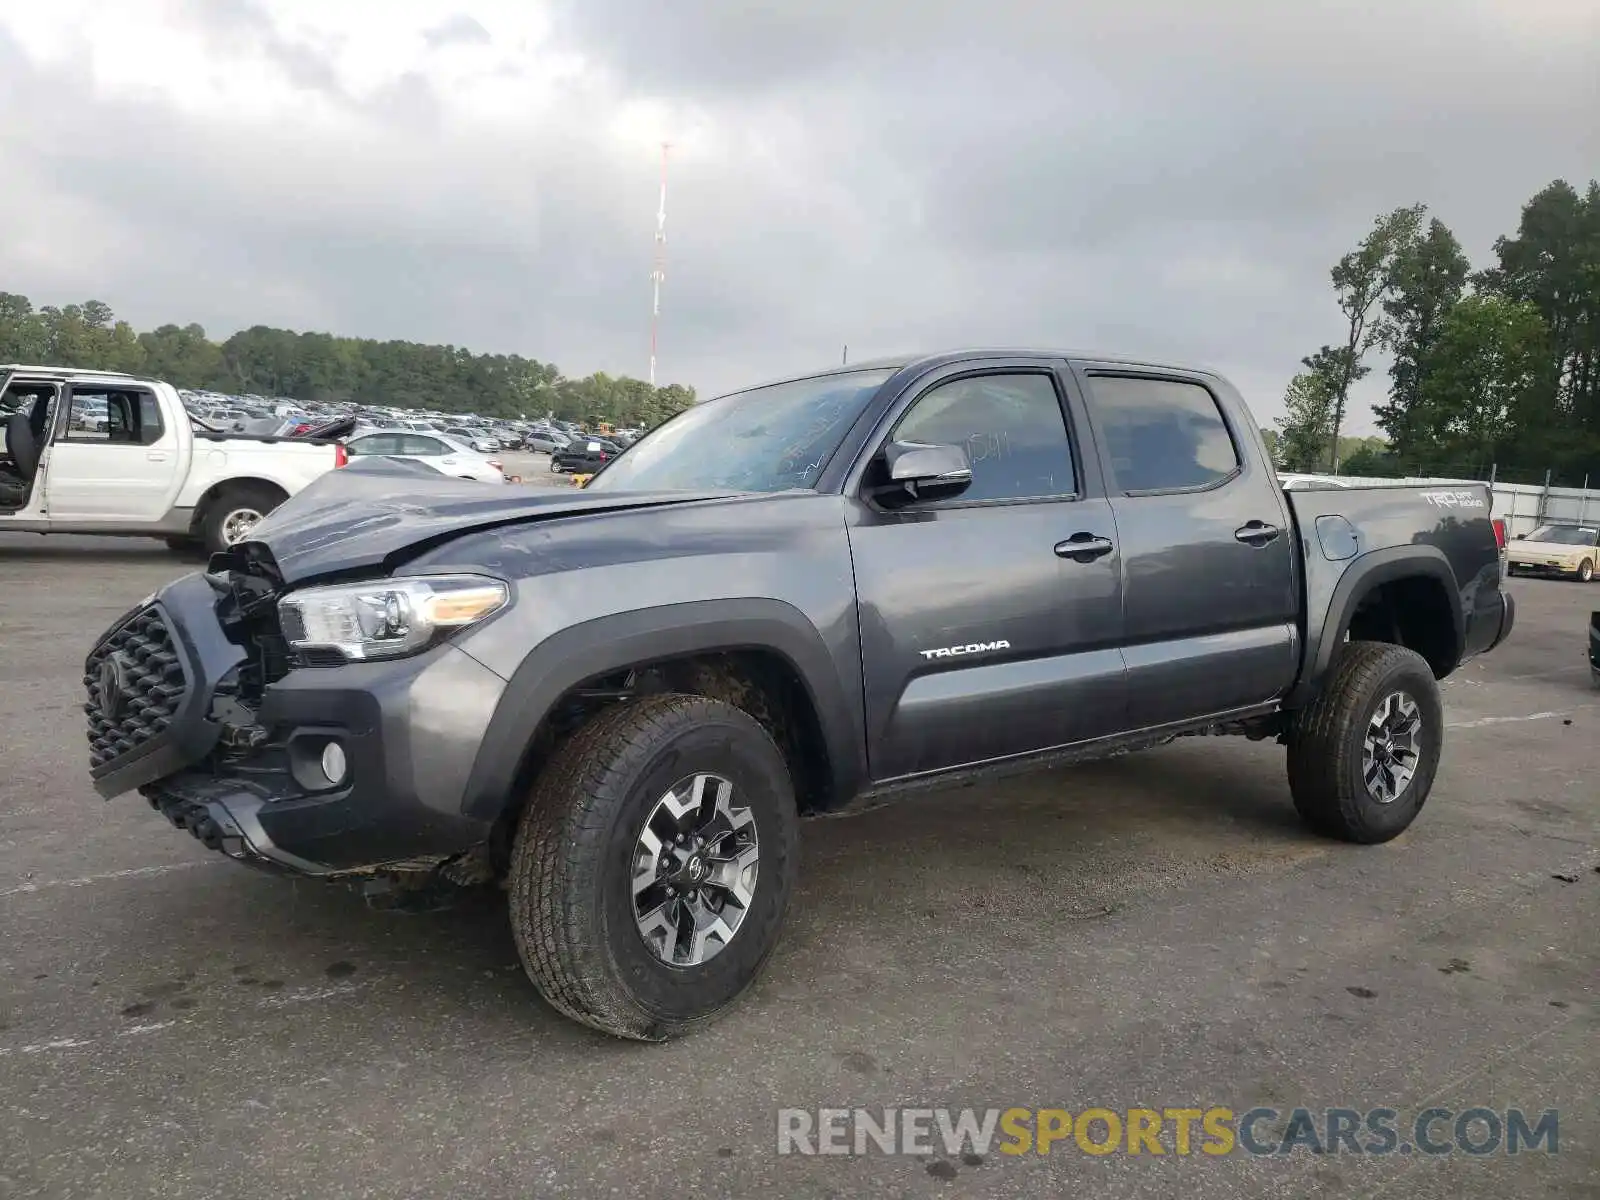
(1209, 579)
(990, 621)
(115, 458)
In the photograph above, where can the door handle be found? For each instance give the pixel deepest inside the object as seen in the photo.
(1084, 547)
(1256, 533)
(156, 455)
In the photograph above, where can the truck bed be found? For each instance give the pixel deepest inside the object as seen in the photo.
(1352, 537)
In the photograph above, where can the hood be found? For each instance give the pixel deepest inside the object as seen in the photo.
(374, 511)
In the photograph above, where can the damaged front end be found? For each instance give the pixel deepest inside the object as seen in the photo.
(280, 759)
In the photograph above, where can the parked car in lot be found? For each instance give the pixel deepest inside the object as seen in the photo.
(107, 453)
(620, 699)
(479, 440)
(443, 453)
(586, 454)
(547, 441)
(1570, 550)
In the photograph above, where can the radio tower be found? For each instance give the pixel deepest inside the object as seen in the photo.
(659, 272)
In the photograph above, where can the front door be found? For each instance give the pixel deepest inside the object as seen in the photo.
(113, 459)
(984, 633)
(1209, 574)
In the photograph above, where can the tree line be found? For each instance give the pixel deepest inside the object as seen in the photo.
(1491, 369)
(321, 367)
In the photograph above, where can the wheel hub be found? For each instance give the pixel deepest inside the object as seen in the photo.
(1392, 747)
(694, 871)
(238, 523)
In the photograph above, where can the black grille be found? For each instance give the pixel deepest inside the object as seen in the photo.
(135, 683)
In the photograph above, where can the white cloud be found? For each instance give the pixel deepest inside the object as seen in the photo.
(1158, 178)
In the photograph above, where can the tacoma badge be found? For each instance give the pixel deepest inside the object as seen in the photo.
(974, 648)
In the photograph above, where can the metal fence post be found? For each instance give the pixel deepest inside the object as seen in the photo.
(1544, 497)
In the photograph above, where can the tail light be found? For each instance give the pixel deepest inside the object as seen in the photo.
(341, 456)
(1500, 532)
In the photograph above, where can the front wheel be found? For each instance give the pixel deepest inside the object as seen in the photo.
(1586, 570)
(653, 866)
(1362, 756)
(235, 512)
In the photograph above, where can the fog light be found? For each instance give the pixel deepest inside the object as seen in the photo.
(333, 762)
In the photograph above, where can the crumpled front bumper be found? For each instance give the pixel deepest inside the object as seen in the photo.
(244, 780)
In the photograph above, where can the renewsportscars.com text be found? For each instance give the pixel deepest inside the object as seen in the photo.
(1213, 1131)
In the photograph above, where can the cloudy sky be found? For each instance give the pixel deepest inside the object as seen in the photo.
(1159, 177)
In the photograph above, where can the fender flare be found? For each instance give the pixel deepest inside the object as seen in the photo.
(1368, 571)
(611, 643)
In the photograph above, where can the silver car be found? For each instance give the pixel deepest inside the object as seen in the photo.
(547, 441)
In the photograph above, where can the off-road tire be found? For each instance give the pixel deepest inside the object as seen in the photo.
(571, 901)
(231, 499)
(1326, 740)
(1586, 570)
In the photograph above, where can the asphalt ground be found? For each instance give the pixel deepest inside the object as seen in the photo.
(1155, 931)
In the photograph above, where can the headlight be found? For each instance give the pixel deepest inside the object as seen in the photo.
(387, 618)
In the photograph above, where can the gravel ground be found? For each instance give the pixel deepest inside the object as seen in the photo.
(1156, 930)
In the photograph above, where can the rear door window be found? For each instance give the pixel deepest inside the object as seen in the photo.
(1161, 435)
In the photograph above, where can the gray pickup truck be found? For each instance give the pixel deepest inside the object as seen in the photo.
(618, 701)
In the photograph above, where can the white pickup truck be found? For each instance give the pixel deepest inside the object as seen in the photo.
(107, 453)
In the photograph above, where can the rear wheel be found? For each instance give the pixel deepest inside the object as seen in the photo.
(235, 512)
(653, 866)
(1362, 756)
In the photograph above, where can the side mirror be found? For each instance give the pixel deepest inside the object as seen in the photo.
(1518, 538)
(928, 472)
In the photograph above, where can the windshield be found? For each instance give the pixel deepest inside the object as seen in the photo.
(768, 439)
(1565, 535)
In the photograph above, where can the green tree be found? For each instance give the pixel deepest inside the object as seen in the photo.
(1362, 280)
(1270, 437)
(1305, 430)
(1553, 263)
(1428, 277)
(1483, 373)
(322, 366)
(22, 334)
(1369, 457)
(185, 353)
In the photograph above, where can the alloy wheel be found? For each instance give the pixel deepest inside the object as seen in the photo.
(695, 865)
(1392, 748)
